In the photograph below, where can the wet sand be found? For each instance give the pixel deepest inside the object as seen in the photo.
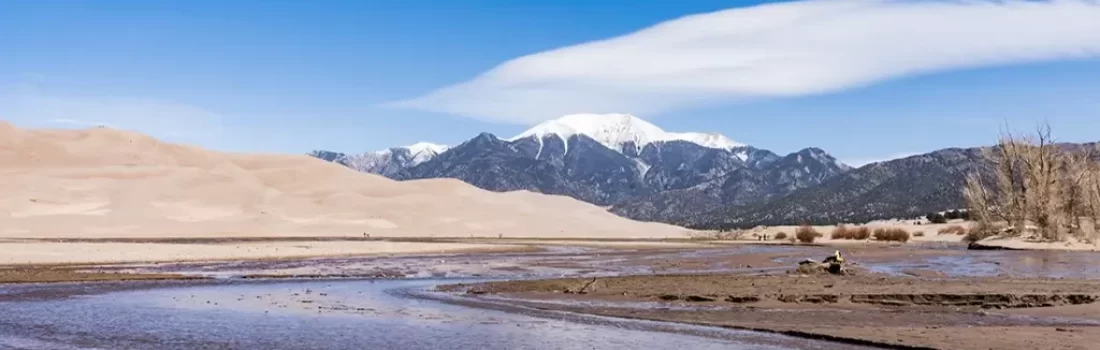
(871, 309)
(75, 274)
(909, 296)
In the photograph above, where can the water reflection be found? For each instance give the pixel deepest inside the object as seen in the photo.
(331, 315)
(1045, 264)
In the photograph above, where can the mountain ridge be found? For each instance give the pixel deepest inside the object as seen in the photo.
(617, 160)
(906, 187)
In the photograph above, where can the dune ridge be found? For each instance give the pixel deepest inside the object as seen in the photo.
(107, 183)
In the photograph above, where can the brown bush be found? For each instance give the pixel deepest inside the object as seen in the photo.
(891, 235)
(982, 231)
(918, 234)
(842, 232)
(954, 230)
(807, 234)
(858, 233)
(781, 235)
(862, 233)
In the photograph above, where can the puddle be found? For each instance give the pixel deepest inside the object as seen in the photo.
(1001, 263)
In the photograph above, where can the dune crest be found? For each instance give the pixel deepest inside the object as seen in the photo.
(100, 182)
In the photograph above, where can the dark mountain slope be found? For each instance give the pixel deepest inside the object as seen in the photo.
(907, 187)
(735, 187)
(589, 171)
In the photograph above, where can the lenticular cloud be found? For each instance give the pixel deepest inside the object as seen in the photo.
(767, 51)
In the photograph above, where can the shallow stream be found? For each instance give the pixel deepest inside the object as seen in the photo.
(348, 314)
(401, 313)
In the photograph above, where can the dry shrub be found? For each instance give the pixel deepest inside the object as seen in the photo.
(975, 236)
(842, 232)
(858, 233)
(954, 230)
(862, 233)
(982, 231)
(879, 232)
(891, 235)
(807, 234)
(781, 235)
(918, 234)
(1037, 182)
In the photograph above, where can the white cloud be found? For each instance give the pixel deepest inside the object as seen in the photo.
(773, 50)
(167, 120)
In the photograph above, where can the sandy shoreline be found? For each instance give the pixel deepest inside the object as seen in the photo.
(45, 253)
(91, 251)
(103, 250)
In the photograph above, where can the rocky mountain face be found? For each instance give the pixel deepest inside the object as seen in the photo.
(908, 187)
(619, 161)
(758, 181)
(589, 171)
(900, 188)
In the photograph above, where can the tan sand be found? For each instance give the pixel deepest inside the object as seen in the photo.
(94, 253)
(106, 183)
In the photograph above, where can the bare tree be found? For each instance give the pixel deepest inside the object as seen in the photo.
(1037, 183)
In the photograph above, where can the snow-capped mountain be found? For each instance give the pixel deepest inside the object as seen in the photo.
(620, 132)
(388, 162)
(614, 160)
(416, 153)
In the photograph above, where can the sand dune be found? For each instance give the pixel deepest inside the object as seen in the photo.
(101, 182)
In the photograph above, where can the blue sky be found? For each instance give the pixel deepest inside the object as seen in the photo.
(266, 76)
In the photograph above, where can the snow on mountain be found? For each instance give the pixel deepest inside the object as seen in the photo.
(618, 130)
(421, 147)
(387, 162)
(709, 139)
(417, 153)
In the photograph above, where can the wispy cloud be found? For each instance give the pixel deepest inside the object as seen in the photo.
(76, 122)
(774, 50)
(168, 120)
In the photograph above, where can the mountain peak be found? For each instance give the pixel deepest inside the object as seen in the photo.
(616, 130)
(421, 147)
(485, 136)
(820, 156)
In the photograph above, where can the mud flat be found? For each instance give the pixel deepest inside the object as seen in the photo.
(891, 312)
(44, 274)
